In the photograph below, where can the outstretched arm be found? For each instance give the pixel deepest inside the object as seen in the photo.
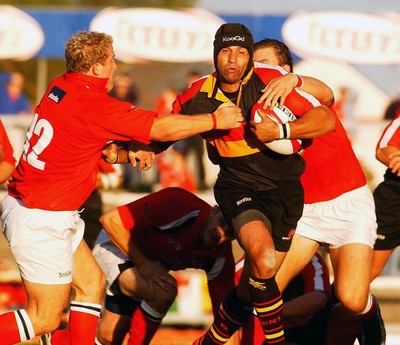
(175, 127)
(279, 88)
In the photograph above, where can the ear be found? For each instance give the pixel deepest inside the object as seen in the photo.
(96, 68)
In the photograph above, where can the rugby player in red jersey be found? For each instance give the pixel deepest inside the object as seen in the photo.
(57, 171)
(142, 241)
(387, 196)
(339, 209)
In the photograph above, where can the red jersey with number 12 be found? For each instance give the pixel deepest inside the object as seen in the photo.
(73, 122)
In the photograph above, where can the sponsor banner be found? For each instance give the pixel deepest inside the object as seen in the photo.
(21, 36)
(159, 34)
(352, 37)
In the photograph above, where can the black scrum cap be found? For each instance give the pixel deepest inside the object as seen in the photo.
(233, 34)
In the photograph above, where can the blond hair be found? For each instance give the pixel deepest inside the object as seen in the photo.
(86, 48)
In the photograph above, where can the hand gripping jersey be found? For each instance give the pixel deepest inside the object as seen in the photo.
(72, 123)
(243, 159)
(167, 227)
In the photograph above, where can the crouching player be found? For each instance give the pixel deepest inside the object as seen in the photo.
(173, 230)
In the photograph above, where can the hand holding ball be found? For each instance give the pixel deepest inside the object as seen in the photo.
(280, 116)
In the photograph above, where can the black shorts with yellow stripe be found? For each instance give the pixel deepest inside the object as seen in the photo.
(279, 208)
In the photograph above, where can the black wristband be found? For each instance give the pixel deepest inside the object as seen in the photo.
(284, 130)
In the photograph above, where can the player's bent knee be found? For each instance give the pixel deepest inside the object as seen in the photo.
(162, 300)
(354, 304)
(264, 263)
(170, 296)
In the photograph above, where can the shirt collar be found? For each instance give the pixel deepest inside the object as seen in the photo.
(90, 82)
(212, 89)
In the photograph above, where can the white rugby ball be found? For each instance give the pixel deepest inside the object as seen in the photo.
(284, 115)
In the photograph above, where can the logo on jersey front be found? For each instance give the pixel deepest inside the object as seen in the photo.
(56, 94)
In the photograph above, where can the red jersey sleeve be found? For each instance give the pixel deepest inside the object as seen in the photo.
(186, 95)
(297, 101)
(74, 120)
(127, 121)
(391, 134)
(159, 208)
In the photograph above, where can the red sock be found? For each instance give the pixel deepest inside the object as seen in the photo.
(144, 325)
(60, 337)
(9, 329)
(15, 327)
(83, 320)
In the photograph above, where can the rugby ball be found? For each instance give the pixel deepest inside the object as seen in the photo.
(279, 115)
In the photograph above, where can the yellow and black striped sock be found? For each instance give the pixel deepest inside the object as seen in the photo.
(267, 301)
(231, 315)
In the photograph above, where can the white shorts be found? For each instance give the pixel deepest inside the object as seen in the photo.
(349, 218)
(42, 242)
(109, 257)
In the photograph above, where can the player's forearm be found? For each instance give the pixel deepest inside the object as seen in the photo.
(136, 255)
(314, 123)
(112, 224)
(318, 89)
(382, 155)
(176, 127)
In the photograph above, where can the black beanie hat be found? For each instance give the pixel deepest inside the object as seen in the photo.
(233, 34)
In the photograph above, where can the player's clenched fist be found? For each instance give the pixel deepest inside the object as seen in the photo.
(228, 116)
